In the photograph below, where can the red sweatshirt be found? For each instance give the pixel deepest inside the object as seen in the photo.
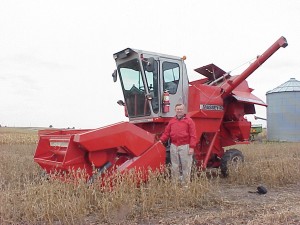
(181, 131)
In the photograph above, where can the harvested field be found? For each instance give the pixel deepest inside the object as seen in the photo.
(27, 197)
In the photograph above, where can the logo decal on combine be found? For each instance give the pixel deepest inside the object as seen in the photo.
(212, 107)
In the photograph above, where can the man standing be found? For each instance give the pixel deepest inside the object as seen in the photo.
(182, 132)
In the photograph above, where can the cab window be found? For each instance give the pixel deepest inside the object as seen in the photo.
(171, 76)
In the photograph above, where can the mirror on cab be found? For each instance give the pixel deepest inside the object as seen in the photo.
(121, 102)
(115, 76)
(150, 65)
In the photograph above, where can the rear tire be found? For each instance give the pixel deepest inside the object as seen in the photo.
(231, 157)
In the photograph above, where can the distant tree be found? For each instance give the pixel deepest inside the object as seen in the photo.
(50, 126)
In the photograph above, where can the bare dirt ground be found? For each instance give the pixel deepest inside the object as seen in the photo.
(278, 206)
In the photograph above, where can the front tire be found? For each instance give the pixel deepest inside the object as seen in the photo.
(231, 157)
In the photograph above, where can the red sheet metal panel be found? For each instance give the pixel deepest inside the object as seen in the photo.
(247, 97)
(211, 71)
(124, 134)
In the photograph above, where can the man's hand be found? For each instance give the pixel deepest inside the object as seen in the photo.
(191, 151)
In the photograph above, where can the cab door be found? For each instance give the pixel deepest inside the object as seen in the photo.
(173, 80)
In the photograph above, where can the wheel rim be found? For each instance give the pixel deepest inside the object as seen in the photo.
(236, 160)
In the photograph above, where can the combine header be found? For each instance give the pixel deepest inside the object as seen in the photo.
(152, 85)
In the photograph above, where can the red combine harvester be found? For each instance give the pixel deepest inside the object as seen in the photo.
(152, 85)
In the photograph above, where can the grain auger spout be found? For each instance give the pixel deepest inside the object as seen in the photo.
(231, 84)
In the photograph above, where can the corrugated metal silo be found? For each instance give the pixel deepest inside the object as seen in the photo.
(283, 112)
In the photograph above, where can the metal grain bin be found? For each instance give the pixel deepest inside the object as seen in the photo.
(283, 112)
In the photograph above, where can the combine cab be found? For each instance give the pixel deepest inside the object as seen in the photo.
(152, 85)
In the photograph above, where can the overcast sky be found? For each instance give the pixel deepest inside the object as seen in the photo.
(56, 57)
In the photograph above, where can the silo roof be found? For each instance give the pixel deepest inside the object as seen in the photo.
(289, 86)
